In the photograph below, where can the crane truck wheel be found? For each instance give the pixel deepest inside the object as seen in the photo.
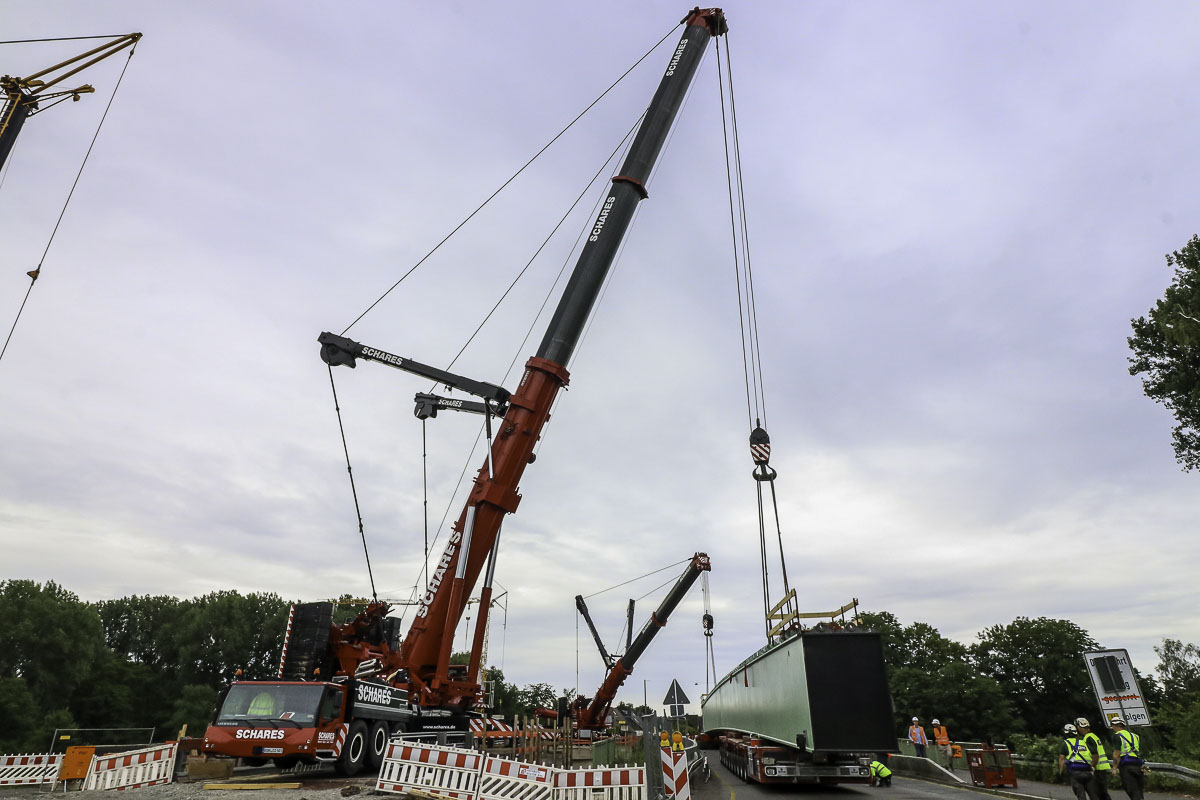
(377, 744)
(354, 751)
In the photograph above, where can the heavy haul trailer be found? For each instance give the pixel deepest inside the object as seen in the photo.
(813, 707)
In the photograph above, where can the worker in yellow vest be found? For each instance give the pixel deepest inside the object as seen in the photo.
(1103, 767)
(1128, 756)
(1076, 758)
(881, 776)
(942, 737)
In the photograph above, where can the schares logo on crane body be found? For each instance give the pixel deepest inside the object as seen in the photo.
(439, 573)
(678, 54)
(603, 218)
(243, 733)
(370, 693)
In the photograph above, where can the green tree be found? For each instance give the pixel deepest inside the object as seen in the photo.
(20, 713)
(1166, 352)
(49, 638)
(141, 628)
(536, 695)
(193, 706)
(222, 632)
(1039, 665)
(507, 700)
(1179, 672)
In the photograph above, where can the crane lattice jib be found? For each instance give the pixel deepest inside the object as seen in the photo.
(426, 648)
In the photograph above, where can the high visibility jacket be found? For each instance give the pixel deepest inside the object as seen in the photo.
(879, 770)
(1131, 745)
(1078, 755)
(941, 735)
(916, 735)
(1098, 746)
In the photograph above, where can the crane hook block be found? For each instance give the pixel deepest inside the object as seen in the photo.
(760, 446)
(708, 624)
(334, 352)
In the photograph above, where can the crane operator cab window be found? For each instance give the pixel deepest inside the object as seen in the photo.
(270, 705)
(331, 705)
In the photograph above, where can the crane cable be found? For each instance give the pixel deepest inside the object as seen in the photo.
(354, 491)
(36, 271)
(504, 185)
(756, 403)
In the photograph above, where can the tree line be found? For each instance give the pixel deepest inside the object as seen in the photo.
(145, 661)
(1021, 682)
(157, 661)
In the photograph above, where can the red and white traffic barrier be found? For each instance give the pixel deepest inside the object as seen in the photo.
(505, 779)
(430, 769)
(133, 769)
(675, 775)
(29, 769)
(605, 783)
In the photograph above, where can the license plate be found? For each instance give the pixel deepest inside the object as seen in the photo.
(272, 751)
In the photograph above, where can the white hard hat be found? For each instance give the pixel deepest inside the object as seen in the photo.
(937, 722)
(1069, 729)
(1082, 722)
(1117, 720)
(914, 719)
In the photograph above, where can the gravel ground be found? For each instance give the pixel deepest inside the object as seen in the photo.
(312, 788)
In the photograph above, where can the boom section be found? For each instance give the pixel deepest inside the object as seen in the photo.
(593, 716)
(425, 652)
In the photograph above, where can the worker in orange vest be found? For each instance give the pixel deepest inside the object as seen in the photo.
(916, 735)
(942, 737)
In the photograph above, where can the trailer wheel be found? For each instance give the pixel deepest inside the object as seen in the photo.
(377, 745)
(354, 751)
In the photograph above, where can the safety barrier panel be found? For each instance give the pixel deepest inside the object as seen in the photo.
(430, 769)
(451, 773)
(29, 769)
(505, 779)
(675, 775)
(608, 783)
(133, 769)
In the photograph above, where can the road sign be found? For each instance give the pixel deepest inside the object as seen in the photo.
(675, 700)
(1116, 687)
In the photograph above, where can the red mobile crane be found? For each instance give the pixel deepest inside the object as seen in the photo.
(365, 685)
(589, 715)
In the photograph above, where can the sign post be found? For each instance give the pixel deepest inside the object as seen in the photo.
(675, 700)
(1116, 687)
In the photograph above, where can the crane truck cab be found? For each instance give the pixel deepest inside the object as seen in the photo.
(347, 722)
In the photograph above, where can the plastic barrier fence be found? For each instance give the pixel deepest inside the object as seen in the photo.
(504, 779)
(133, 769)
(29, 769)
(608, 783)
(430, 769)
(452, 773)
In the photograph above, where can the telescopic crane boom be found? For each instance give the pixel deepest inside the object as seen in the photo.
(591, 716)
(425, 652)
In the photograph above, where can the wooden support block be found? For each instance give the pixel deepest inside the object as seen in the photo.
(252, 786)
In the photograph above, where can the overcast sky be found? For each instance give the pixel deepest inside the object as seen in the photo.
(954, 210)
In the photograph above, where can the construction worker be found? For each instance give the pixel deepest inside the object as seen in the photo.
(1103, 767)
(942, 737)
(1128, 756)
(263, 705)
(1078, 760)
(916, 735)
(881, 776)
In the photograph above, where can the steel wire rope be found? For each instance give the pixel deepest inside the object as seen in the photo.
(36, 271)
(638, 578)
(60, 39)
(742, 312)
(741, 185)
(504, 185)
(353, 490)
